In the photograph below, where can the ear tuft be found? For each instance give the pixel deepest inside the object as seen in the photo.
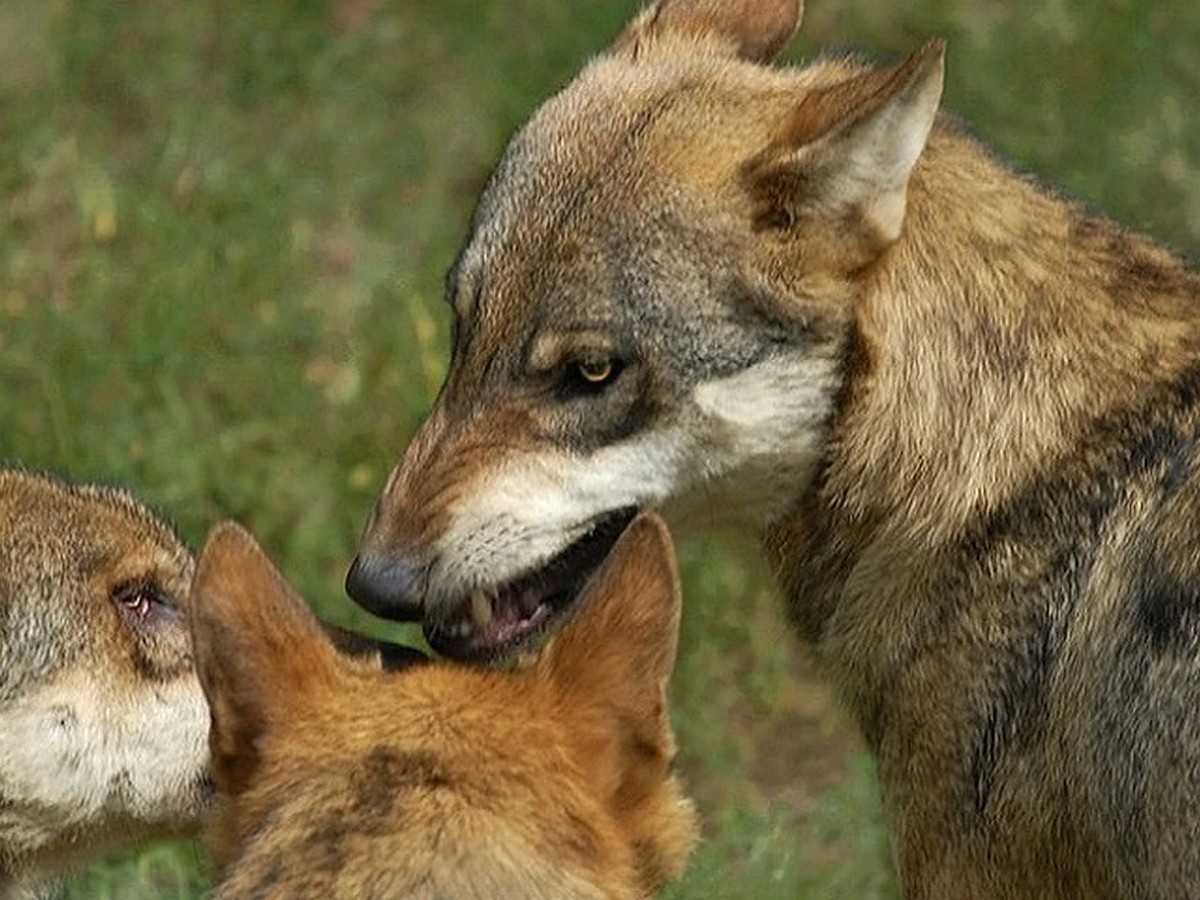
(757, 30)
(853, 146)
(883, 149)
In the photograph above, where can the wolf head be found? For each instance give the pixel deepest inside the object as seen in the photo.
(102, 720)
(651, 311)
(440, 780)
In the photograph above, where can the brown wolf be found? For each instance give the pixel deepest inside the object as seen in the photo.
(102, 720)
(437, 780)
(962, 410)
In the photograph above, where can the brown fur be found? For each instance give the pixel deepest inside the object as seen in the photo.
(963, 410)
(337, 779)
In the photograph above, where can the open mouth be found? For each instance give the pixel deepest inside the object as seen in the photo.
(493, 623)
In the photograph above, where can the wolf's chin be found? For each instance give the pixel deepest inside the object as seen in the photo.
(495, 623)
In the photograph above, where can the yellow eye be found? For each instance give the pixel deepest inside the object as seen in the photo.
(595, 371)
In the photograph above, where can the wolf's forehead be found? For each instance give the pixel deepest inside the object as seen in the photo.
(580, 146)
(60, 530)
(602, 150)
(591, 154)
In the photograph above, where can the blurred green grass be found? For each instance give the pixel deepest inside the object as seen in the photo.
(223, 233)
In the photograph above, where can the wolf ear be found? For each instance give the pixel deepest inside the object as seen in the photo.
(851, 148)
(616, 656)
(257, 645)
(756, 29)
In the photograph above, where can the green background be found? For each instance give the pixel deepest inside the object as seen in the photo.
(223, 233)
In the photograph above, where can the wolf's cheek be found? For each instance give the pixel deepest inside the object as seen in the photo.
(78, 752)
(166, 752)
(759, 434)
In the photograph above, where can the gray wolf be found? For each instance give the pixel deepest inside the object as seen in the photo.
(102, 720)
(961, 410)
(436, 780)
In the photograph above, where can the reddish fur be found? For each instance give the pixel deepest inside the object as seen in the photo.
(564, 765)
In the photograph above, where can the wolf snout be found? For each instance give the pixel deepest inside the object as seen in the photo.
(386, 586)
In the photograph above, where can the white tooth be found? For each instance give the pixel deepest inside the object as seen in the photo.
(481, 609)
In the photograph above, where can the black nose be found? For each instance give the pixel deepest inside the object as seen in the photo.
(385, 587)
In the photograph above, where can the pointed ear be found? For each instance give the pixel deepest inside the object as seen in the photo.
(610, 667)
(257, 647)
(756, 30)
(852, 148)
(618, 652)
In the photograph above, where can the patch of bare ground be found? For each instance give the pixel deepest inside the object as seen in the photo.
(803, 749)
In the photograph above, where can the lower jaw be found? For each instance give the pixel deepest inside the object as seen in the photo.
(474, 649)
(551, 592)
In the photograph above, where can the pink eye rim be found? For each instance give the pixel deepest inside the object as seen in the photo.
(138, 601)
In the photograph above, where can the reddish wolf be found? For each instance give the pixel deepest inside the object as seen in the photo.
(339, 779)
(102, 721)
(962, 410)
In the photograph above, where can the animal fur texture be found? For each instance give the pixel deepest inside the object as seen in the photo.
(437, 780)
(102, 720)
(962, 410)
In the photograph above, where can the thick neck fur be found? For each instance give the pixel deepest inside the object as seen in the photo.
(1001, 324)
